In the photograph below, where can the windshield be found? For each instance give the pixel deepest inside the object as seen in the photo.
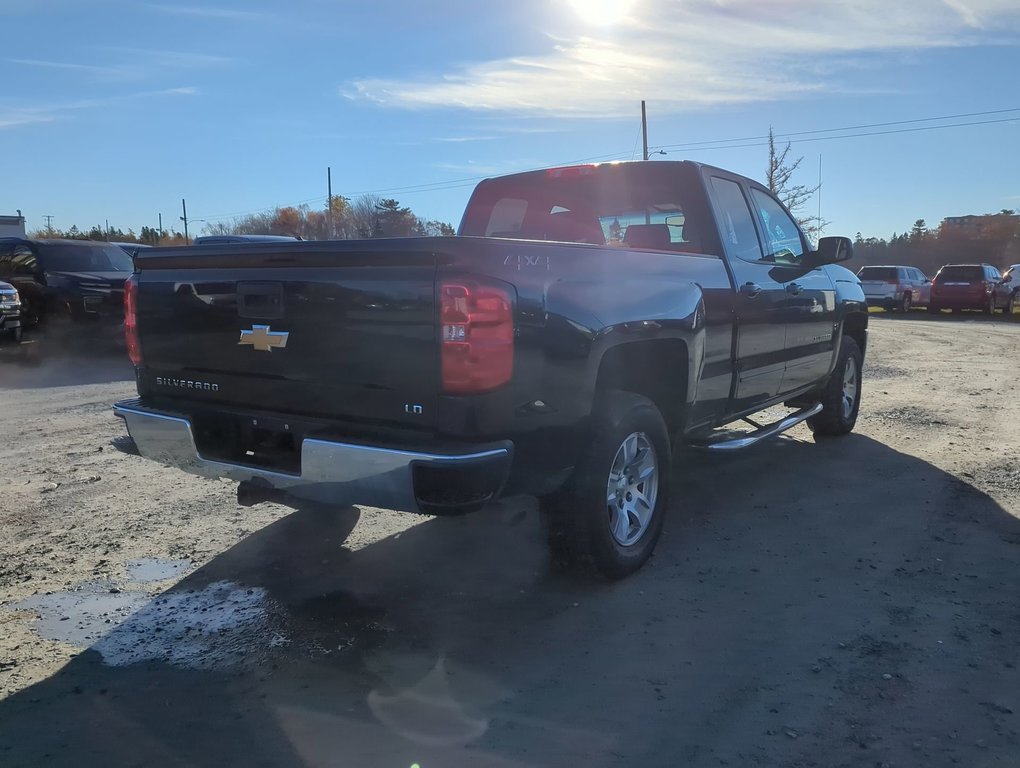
(71, 257)
(968, 273)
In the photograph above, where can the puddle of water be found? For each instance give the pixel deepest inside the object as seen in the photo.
(82, 616)
(156, 569)
(220, 625)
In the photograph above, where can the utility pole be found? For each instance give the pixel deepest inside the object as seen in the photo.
(49, 220)
(329, 200)
(819, 194)
(644, 132)
(159, 232)
(107, 230)
(184, 218)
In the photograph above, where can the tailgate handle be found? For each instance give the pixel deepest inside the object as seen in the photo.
(260, 301)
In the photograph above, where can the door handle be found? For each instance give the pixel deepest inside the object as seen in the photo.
(793, 288)
(750, 290)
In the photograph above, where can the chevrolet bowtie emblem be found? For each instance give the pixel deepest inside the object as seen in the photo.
(264, 339)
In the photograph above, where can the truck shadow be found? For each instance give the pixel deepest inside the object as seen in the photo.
(841, 591)
(64, 357)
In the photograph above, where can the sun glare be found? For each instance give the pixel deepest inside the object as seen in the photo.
(601, 12)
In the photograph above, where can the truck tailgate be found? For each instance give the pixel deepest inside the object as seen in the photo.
(345, 335)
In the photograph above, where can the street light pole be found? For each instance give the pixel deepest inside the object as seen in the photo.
(184, 218)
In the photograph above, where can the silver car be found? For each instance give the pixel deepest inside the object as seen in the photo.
(895, 288)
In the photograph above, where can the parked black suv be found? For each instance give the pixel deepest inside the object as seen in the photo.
(80, 279)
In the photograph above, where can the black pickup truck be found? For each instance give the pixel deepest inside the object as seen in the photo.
(584, 323)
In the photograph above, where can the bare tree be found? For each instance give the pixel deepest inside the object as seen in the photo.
(779, 179)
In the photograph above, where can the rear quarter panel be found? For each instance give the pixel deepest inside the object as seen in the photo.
(574, 304)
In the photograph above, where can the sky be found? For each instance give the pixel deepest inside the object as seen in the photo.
(115, 110)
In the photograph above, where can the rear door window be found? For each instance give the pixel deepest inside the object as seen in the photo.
(739, 236)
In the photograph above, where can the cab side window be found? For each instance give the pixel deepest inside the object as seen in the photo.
(23, 261)
(739, 236)
(783, 242)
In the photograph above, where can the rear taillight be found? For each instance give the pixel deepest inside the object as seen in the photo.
(477, 327)
(134, 348)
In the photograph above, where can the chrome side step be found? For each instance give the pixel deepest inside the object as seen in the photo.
(727, 441)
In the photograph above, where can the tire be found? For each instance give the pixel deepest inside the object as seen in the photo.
(16, 335)
(905, 303)
(585, 530)
(31, 315)
(841, 398)
(1010, 305)
(989, 308)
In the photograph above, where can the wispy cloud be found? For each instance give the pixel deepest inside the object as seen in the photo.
(14, 117)
(207, 12)
(142, 65)
(463, 139)
(103, 73)
(697, 54)
(174, 59)
(473, 169)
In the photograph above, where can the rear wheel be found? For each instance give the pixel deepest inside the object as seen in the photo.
(16, 335)
(905, 303)
(990, 305)
(1010, 304)
(841, 398)
(609, 516)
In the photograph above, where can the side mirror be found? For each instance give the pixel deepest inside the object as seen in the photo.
(831, 250)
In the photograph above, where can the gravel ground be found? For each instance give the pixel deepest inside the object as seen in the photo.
(850, 602)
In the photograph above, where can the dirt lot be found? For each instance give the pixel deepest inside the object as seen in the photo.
(851, 602)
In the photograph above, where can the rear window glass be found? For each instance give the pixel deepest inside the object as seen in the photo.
(965, 273)
(629, 205)
(84, 258)
(877, 273)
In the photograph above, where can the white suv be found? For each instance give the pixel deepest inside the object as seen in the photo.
(1011, 279)
(895, 288)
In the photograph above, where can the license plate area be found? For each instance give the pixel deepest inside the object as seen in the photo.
(264, 442)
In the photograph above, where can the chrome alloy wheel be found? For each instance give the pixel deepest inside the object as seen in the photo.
(850, 387)
(632, 488)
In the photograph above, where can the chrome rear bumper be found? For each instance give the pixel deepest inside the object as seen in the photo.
(331, 472)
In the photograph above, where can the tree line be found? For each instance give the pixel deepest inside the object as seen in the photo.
(343, 219)
(993, 238)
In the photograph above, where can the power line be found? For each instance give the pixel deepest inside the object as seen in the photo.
(847, 128)
(435, 186)
(856, 135)
(733, 143)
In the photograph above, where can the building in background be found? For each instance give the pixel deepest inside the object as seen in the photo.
(1002, 225)
(12, 226)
